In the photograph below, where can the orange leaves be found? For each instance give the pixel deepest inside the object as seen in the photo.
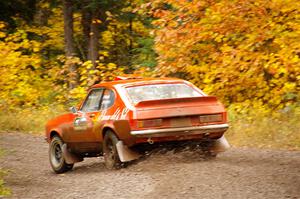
(237, 50)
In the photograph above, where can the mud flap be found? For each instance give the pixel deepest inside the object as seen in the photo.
(126, 154)
(220, 145)
(70, 158)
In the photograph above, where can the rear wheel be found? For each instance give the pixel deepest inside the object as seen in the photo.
(56, 157)
(111, 156)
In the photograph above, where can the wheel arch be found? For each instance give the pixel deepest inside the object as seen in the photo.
(121, 129)
(106, 129)
(53, 133)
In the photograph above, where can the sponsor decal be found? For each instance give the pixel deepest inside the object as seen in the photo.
(124, 113)
(119, 114)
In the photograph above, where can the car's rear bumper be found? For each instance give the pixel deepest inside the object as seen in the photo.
(181, 131)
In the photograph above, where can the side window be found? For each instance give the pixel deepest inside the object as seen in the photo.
(108, 99)
(92, 102)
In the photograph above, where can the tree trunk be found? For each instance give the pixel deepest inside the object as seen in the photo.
(94, 40)
(93, 22)
(69, 41)
(93, 48)
(86, 19)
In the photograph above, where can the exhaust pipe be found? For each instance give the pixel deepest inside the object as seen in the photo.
(150, 141)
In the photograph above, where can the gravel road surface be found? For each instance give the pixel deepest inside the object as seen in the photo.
(236, 174)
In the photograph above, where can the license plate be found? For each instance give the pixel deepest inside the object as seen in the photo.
(181, 122)
(211, 118)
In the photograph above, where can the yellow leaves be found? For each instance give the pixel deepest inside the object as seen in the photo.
(92, 72)
(2, 25)
(96, 21)
(78, 92)
(31, 60)
(90, 75)
(111, 66)
(2, 35)
(104, 53)
(225, 48)
(108, 13)
(235, 50)
(219, 38)
(87, 64)
(295, 59)
(21, 79)
(207, 80)
(289, 87)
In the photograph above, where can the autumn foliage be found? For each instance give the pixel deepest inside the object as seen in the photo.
(35, 70)
(246, 52)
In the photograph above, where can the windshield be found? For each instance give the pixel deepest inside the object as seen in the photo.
(160, 91)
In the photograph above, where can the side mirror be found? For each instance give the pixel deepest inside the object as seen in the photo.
(73, 110)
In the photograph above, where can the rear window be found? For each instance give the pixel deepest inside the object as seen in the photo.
(160, 91)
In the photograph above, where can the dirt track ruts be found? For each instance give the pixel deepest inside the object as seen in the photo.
(237, 173)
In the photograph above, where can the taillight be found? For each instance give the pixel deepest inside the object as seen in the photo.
(149, 123)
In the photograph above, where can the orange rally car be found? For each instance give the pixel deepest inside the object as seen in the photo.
(119, 115)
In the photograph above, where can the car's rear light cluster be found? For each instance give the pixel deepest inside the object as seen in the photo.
(211, 118)
(149, 123)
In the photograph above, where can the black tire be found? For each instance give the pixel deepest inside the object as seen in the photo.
(111, 156)
(56, 157)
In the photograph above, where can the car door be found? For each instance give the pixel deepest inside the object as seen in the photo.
(82, 129)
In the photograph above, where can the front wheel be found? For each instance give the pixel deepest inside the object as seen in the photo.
(56, 157)
(111, 156)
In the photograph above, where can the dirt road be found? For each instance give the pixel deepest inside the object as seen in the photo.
(237, 173)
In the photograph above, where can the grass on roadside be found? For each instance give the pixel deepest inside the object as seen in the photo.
(257, 129)
(28, 120)
(4, 191)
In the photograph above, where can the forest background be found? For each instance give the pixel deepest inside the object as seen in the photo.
(245, 52)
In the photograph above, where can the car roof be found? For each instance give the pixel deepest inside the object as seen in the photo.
(139, 81)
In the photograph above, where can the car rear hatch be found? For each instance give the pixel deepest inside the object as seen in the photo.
(179, 112)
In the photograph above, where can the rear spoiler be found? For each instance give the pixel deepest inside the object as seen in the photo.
(186, 100)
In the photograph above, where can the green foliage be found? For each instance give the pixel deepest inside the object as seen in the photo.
(144, 55)
(127, 39)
